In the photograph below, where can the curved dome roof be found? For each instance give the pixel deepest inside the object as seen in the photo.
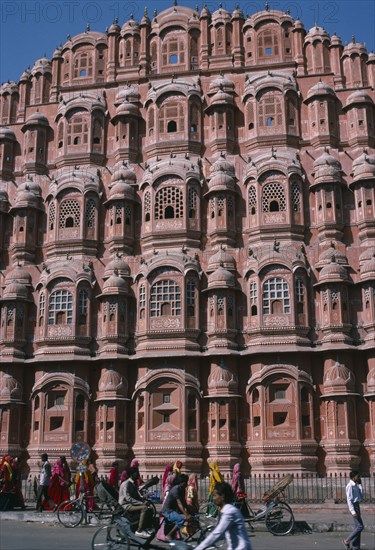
(112, 385)
(367, 254)
(10, 389)
(222, 381)
(221, 83)
(326, 169)
(19, 275)
(316, 33)
(371, 382)
(367, 270)
(221, 16)
(28, 195)
(354, 48)
(42, 65)
(36, 119)
(221, 258)
(117, 264)
(176, 16)
(115, 285)
(4, 201)
(326, 256)
(359, 96)
(121, 191)
(335, 40)
(363, 168)
(129, 27)
(338, 379)
(320, 89)
(7, 133)
(122, 172)
(333, 272)
(221, 278)
(17, 284)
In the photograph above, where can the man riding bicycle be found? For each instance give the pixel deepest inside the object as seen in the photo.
(175, 509)
(133, 502)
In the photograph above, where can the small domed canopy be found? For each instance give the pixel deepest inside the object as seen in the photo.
(315, 34)
(221, 83)
(284, 162)
(42, 66)
(325, 257)
(85, 180)
(333, 273)
(121, 190)
(367, 269)
(57, 53)
(221, 258)
(359, 97)
(221, 278)
(4, 199)
(115, 285)
(265, 80)
(336, 40)
(185, 169)
(363, 168)
(17, 285)
(10, 390)
(320, 89)
(222, 382)
(338, 380)
(222, 176)
(367, 254)
(112, 386)
(36, 119)
(7, 135)
(87, 100)
(326, 170)
(220, 16)
(205, 13)
(127, 103)
(220, 98)
(145, 21)
(176, 16)
(370, 383)
(119, 265)
(188, 87)
(130, 27)
(237, 13)
(9, 87)
(25, 76)
(354, 48)
(91, 38)
(28, 195)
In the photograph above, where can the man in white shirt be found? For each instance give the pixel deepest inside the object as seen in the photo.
(231, 524)
(354, 495)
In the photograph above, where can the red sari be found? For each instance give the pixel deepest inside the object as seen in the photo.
(6, 474)
(60, 481)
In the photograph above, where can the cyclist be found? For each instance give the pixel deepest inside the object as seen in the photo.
(132, 501)
(175, 509)
(231, 524)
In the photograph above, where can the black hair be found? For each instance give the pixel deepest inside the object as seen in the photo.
(180, 478)
(132, 471)
(353, 473)
(44, 457)
(225, 490)
(114, 464)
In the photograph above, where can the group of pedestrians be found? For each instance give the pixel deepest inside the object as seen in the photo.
(54, 483)
(10, 482)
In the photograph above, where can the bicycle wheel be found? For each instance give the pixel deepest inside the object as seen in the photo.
(110, 537)
(279, 519)
(70, 513)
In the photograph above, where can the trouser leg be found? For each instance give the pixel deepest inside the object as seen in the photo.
(355, 536)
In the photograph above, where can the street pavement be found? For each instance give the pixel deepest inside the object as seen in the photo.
(52, 536)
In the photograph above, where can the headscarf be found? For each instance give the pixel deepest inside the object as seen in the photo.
(168, 469)
(236, 477)
(134, 463)
(5, 465)
(192, 491)
(215, 476)
(124, 476)
(58, 469)
(177, 467)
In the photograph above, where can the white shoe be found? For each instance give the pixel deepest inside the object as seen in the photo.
(142, 534)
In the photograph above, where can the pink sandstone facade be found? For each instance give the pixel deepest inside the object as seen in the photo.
(187, 246)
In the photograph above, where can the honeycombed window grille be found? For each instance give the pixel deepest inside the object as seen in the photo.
(51, 215)
(325, 299)
(147, 206)
(42, 305)
(78, 130)
(128, 215)
(270, 110)
(190, 296)
(367, 293)
(90, 213)
(173, 51)
(212, 207)
(220, 204)
(335, 295)
(20, 313)
(169, 203)
(165, 299)
(300, 290)
(211, 304)
(10, 313)
(192, 202)
(230, 202)
(112, 308)
(220, 303)
(268, 43)
(230, 305)
(116, 214)
(252, 198)
(273, 198)
(275, 290)
(60, 308)
(70, 215)
(296, 197)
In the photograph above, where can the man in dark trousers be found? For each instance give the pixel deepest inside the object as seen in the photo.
(354, 495)
(44, 479)
(132, 501)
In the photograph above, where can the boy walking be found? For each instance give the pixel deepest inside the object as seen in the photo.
(354, 495)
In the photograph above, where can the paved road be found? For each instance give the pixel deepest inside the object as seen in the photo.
(16, 535)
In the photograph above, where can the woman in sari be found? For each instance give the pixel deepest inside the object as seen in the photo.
(60, 481)
(88, 484)
(165, 487)
(6, 475)
(238, 487)
(192, 494)
(215, 477)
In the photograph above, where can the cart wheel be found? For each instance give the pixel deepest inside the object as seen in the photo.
(70, 513)
(280, 519)
(110, 537)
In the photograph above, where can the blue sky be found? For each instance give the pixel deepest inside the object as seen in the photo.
(30, 28)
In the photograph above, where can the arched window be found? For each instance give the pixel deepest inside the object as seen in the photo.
(169, 203)
(51, 216)
(192, 203)
(190, 297)
(173, 51)
(97, 133)
(253, 295)
(60, 134)
(60, 308)
(70, 215)
(296, 197)
(151, 121)
(147, 206)
(300, 293)
(142, 301)
(83, 299)
(78, 128)
(83, 65)
(171, 117)
(268, 44)
(194, 120)
(270, 109)
(90, 213)
(252, 196)
(273, 198)
(165, 299)
(276, 296)
(42, 305)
